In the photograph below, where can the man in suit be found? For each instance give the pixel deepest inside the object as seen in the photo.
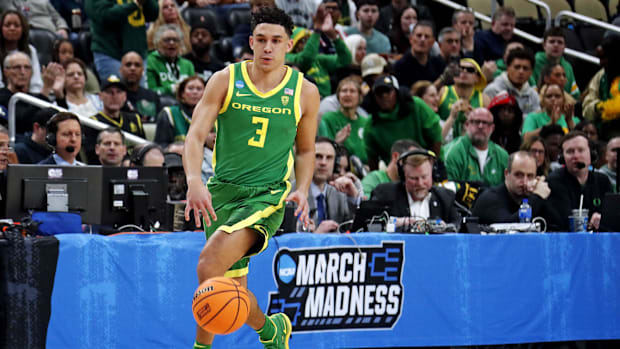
(64, 134)
(328, 206)
(414, 197)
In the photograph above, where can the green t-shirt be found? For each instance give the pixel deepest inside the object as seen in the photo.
(372, 180)
(571, 85)
(333, 122)
(255, 131)
(535, 121)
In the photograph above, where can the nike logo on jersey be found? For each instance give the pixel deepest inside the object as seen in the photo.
(273, 192)
(242, 94)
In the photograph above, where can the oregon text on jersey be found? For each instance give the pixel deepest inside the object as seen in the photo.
(261, 109)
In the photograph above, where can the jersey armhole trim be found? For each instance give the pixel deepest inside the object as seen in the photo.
(231, 85)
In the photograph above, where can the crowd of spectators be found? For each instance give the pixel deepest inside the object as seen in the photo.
(439, 121)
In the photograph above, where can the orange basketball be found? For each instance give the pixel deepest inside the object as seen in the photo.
(221, 305)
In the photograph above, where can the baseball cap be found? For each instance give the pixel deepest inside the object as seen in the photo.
(113, 80)
(372, 63)
(173, 160)
(503, 98)
(385, 81)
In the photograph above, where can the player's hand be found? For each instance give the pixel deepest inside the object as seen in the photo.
(302, 206)
(199, 200)
(326, 226)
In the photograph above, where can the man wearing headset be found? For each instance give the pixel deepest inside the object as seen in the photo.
(64, 135)
(414, 197)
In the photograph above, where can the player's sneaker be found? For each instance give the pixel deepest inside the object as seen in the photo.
(283, 332)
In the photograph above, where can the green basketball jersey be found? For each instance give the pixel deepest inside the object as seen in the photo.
(256, 131)
(448, 98)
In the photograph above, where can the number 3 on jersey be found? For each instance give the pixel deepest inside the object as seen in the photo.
(260, 132)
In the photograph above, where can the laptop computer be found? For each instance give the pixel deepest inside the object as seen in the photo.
(371, 216)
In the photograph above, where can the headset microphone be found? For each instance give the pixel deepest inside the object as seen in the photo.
(70, 149)
(580, 165)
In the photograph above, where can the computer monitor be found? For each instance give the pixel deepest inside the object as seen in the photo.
(52, 188)
(134, 195)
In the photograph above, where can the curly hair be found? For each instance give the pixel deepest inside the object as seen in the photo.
(273, 15)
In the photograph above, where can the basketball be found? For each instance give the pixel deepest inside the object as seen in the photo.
(221, 305)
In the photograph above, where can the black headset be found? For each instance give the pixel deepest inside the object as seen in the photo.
(137, 155)
(400, 163)
(51, 127)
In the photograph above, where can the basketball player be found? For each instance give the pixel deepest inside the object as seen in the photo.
(260, 109)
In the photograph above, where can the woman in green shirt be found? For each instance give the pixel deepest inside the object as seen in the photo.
(346, 126)
(555, 110)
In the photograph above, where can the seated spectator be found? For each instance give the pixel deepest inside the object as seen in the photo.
(64, 135)
(474, 157)
(113, 95)
(301, 12)
(536, 147)
(418, 63)
(110, 147)
(147, 155)
(173, 122)
(201, 38)
(165, 68)
(458, 99)
(426, 91)
(594, 93)
(33, 147)
(414, 197)
(500, 63)
(611, 160)
(508, 119)
(76, 99)
(345, 126)
(554, 43)
(357, 46)
(388, 14)
(367, 15)
(139, 99)
(570, 183)
(607, 107)
(177, 183)
(449, 40)
(116, 29)
(63, 51)
(554, 111)
(42, 15)
(396, 115)
(553, 73)
(514, 80)
(331, 103)
(490, 43)
(14, 38)
(17, 71)
(4, 148)
(552, 135)
(329, 206)
(464, 21)
(306, 55)
(390, 174)
(372, 67)
(500, 204)
(168, 14)
(403, 22)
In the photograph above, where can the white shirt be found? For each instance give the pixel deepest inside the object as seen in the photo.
(482, 158)
(419, 209)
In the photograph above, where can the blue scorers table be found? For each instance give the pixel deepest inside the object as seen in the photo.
(343, 291)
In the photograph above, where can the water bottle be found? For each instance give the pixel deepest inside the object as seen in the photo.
(525, 212)
(76, 19)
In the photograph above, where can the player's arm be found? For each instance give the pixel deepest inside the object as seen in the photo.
(203, 119)
(304, 163)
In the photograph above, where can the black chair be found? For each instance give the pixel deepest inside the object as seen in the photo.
(572, 39)
(222, 50)
(591, 37)
(237, 16)
(83, 51)
(43, 41)
(193, 15)
(167, 101)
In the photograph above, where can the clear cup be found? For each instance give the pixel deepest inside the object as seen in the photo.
(578, 221)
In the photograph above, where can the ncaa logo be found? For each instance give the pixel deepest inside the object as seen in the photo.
(287, 268)
(239, 84)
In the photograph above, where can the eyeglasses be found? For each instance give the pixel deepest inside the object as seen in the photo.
(20, 67)
(537, 151)
(471, 70)
(480, 122)
(171, 40)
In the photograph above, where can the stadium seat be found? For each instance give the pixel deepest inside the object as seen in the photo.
(523, 8)
(43, 41)
(83, 51)
(237, 16)
(572, 39)
(556, 6)
(192, 15)
(613, 7)
(591, 8)
(591, 36)
(222, 49)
